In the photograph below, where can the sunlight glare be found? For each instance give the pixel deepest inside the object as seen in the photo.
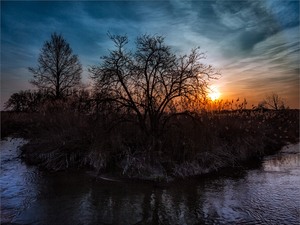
(214, 94)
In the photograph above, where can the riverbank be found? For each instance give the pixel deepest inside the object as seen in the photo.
(256, 196)
(206, 143)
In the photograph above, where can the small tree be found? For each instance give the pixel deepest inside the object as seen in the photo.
(151, 82)
(26, 101)
(58, 68)
(274, 101)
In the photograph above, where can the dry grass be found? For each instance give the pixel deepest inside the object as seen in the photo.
(208, 141)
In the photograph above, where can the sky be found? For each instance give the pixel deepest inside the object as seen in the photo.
(254, 44)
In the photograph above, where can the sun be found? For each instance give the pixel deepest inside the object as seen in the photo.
(213, 93)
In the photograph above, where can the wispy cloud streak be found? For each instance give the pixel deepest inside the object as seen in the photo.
(255, 44)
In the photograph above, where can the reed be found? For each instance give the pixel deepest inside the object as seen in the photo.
(189, 145)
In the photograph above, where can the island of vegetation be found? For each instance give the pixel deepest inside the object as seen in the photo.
(146, 116)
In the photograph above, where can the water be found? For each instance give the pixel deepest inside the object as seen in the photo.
(265, 195)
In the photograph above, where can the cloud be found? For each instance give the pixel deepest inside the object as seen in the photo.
(255, 43)
(248, 23)
(286, 13)
(273, 65)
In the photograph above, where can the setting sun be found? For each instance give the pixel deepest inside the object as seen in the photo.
(214, 94)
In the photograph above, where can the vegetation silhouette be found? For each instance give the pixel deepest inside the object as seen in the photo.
(151, 84)
(273, 101)
(147, 116)
(26, 101)
(58, 70)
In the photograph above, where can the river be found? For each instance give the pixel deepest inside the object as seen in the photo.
(266, 194)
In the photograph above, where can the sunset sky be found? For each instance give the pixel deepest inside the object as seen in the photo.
(254, 44)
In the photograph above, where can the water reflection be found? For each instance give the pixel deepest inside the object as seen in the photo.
(268, 195)
(288, 160)
(18, 182)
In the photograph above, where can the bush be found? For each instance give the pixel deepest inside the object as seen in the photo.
(191, 144)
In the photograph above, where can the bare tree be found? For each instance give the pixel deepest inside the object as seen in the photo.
(26, 101)
(58, 68)
(151, 82)
(274, 101)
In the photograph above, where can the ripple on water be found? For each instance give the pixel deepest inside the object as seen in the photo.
(17, 188)
(269, 195)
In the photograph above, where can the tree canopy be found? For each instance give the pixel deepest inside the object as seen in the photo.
(26, 101)
(58, 69)
(152, 81)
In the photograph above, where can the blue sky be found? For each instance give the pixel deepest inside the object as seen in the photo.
(254, 44)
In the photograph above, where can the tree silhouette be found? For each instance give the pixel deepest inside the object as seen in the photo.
(274, 101)
(26, 101)
(58, 68)
(151, 82)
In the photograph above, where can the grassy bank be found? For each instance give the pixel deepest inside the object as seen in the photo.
(189, 145)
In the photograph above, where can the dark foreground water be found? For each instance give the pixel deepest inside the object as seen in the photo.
(269, 194)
